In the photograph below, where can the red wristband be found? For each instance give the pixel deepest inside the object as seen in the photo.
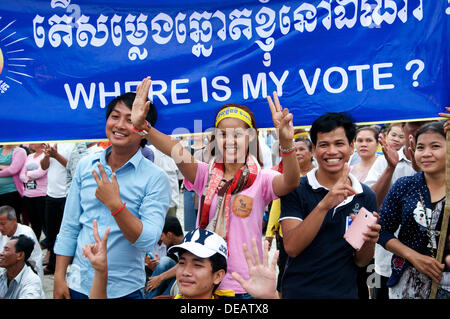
(288, 153)
(146, 125)
(119, 210)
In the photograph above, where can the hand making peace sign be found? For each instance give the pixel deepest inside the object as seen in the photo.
(107, 191)
(282, 119)
(96, 253)
(340, 191)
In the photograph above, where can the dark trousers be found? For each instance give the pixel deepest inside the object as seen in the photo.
(361, 281)
(54, 210)
(14, 200)
(382, 292)
(282, 259)
(35, 207)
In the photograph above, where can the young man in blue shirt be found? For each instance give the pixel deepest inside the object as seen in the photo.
(122, 190)
(314, 218)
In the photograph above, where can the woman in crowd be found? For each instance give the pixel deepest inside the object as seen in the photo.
(416, 203)
(34, 179)
(233, 189)
(395, 137)
(12, 159)
(366, 144)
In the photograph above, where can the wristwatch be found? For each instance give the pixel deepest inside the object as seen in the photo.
(145, 130)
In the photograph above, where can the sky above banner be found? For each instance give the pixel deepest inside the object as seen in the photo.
(63, 61)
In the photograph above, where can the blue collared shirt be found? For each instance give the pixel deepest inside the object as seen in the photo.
(146, 190)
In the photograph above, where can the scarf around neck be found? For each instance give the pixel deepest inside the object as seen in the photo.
(243, 179)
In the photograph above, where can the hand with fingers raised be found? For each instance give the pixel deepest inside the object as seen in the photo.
(282, 119)
(262, 283)
(390, 154)
(107, 191)
(411, 150)
(141, 104)
(340, 191)
(96, 252)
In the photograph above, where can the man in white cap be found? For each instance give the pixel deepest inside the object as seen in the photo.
(201, 266)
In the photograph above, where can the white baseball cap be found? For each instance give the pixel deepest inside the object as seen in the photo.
(202, 243)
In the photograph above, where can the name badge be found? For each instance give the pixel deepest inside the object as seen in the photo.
(30, 185)
(242, 206)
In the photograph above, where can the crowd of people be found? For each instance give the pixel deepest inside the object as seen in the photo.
(106, 212)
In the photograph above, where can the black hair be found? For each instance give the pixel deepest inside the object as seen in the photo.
(26, 245)
(433, 127)
(218, 262)
(128, 99)
(172, 224)
(331, 121)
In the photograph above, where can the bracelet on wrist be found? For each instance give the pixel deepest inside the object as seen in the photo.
(287, 150)
(136, 129)
(119, 210)
(287, 153)
(145, 130)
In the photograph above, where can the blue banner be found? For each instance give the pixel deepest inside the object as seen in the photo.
(62, 61)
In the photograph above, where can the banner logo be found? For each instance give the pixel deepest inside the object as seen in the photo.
(13, 59)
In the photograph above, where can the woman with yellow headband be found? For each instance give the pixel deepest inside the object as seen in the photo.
(233, 189)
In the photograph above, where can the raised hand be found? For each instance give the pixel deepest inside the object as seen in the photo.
(390, 153)
(262, 283)
(141, 104)
(96, 253)
(411, 150)
(51, 151)
(340, 191)
(107, 191)
(282, 119)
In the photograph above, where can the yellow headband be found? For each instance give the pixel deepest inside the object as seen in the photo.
(234, 112)
(301, 134)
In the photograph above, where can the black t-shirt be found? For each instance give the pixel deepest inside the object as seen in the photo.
(326, 268)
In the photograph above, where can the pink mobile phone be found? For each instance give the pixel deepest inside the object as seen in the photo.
(360, 225)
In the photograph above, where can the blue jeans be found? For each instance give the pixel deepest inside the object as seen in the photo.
(165, 263)
(190, 212)
(78, 295)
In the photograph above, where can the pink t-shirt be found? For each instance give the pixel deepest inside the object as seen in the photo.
(32, 170)
(242, 229)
